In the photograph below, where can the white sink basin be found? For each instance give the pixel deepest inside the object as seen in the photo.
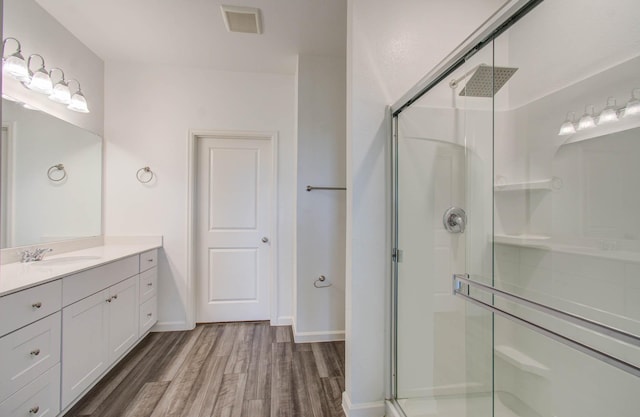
(65, 260)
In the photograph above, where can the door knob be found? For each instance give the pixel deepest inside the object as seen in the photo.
(265, 239)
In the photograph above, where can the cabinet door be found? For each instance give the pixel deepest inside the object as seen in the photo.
(85, 355)
(123, 317)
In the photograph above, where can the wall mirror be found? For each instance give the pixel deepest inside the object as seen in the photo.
(51, 172)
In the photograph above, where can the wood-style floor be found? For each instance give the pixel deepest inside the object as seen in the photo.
(231, 370)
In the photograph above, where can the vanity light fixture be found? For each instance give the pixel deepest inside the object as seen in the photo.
(14, 64)
(78, 101)
(633, 106)
(39, 81)
(61, 92)
(609, 114)
(568, 127)
(587, 121)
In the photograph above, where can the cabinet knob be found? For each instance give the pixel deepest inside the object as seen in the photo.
(149, 314)
(150, 260)
(36, 305)
(115, 297)
(150, 284)
(35, 352)
(34, 410)
(108, 300)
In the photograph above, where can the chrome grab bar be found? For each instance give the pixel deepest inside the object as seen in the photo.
(618, 334)
(311, 188)
(459, 281)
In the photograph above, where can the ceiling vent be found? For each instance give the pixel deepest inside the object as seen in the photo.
(242, 19)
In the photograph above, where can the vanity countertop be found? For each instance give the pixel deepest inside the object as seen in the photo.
(19, 276)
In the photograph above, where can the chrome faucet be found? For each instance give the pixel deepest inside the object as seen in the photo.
(34, 255)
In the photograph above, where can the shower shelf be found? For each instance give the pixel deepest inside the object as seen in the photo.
(543, 185)
(535, 241)
(546, 243)
(520, 360)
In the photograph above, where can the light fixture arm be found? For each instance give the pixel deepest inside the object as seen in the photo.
(29, 62)
(61, 72)
(4, 44)
(77, 82)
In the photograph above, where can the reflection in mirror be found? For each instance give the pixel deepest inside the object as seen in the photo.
(51, 178)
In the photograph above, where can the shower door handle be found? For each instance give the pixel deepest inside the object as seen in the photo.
(454, 220)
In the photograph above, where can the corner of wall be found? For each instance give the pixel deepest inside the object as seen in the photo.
(373, 409)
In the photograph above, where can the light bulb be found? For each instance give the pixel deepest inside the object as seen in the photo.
(15, 65)
(78, 101)
(61, 92)
(633, 106)
(609, 113)
(39, 81)
(568, 127)
(587, 121)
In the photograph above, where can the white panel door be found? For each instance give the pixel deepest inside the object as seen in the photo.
(233, 229)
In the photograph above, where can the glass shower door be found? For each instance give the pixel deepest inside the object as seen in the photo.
(443, 155)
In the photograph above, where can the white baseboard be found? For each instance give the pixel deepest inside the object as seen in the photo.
(171, 326)
(283, 321)
(372, 409)
(391, 410)
(313, 337)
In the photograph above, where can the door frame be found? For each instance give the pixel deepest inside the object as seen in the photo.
(192, 207)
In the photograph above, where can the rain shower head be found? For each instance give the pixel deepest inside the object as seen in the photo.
(486, 80)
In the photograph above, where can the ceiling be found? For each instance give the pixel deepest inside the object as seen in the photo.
(192, 32)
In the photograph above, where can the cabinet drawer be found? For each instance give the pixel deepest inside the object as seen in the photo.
(148, 259)
(78, 286)
(24, 307)
(28, 352)
(40, 398)
(148, 284)
(148, 315)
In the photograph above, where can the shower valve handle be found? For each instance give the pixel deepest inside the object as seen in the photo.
(454, 220)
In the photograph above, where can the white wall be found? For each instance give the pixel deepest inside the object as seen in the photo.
(391, 45)
(39, 33)
(321, 126)
(149, 111)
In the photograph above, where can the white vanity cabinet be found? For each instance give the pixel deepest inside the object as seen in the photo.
(97, 330)
(123, 312)
(30, 351)
(58, 338)
(148, 290)
(97, 327)
(85, 354)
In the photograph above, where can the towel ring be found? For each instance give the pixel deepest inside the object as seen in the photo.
(142, 172)
(56, 168)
